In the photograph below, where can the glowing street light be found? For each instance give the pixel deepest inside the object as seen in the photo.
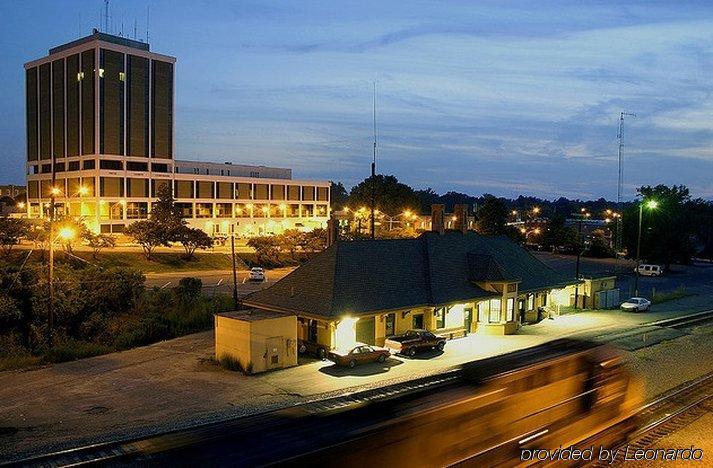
(651, 205)
(66, 233)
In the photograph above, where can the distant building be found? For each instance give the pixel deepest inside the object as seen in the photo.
(12, 191)
(100, 134)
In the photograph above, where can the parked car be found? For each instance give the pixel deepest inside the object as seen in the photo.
(636, 304)
(256, 274)
(359, 354)
(310, 347)
(649, 270)
(413, 341)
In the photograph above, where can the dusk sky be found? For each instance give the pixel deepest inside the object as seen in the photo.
(497, 97)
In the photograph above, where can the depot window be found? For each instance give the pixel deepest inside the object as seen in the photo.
(510, 311)
(530, 302)
(440, 314)
(495, 305)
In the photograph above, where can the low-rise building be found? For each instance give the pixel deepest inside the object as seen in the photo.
(450, 282)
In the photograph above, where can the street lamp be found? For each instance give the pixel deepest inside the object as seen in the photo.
(651, 205)
(65, 233)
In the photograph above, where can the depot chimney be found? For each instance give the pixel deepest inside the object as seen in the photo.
(461, 218)
(437, 223)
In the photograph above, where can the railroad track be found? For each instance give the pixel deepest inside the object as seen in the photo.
(666, 414)
(115, 451)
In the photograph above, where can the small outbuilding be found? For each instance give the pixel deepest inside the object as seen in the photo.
(260, 340)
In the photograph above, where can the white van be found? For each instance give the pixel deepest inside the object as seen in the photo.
(649, 270)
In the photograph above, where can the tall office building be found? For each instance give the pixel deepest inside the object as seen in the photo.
(100, 136)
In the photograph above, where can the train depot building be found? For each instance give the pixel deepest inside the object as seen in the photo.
(453, 283)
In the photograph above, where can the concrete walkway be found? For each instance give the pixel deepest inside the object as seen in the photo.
(175, 383)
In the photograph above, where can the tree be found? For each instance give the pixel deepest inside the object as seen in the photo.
(599, 245)
(267, 249)
(165, 213)
(338, 195)
(391, 196)
(149, 234)
(666, 231)
(491, 217)
(11, 230)
(192, 239)
(98, 242)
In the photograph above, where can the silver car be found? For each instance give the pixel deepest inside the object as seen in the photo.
(636, 304)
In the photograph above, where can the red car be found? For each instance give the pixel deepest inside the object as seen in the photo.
(360, 354)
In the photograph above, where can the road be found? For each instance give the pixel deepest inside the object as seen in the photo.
(217, 281)
(697, 278)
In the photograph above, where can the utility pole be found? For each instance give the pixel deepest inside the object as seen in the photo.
(373, 175)
(620, 183)
(235, 272)
(580, 248)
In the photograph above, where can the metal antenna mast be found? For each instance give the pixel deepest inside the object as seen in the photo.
(373, 174)
(620, 184)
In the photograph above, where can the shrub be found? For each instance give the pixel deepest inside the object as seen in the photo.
(230, 362)
(71, 350)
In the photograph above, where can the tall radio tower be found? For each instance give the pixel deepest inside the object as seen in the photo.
(620, 184)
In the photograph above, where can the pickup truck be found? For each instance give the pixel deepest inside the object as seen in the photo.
(414, 340)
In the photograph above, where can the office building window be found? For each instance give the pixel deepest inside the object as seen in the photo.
(184, 189)
(242, 191)
(204, 189)
(185, 209)
(223, 210)
(137, 166)
(111, 165)
(159, 167)
(322, 193)
(277, 192)
(293, 192)
(111, 187)
(530, 302)
(260, 192)
(204, 210)
(137, 210)
(73, 166)
(308, 193)
(88, 164)
(224, 190)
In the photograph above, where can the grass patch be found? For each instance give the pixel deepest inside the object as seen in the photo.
(232, 363)
(664, 296)
(161, 262)
(72, 350)
(19, 361)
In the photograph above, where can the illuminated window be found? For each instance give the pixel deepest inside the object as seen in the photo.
(495, 305)
(441, 317)
(122, 76)
(101, 73)
(483, 310)
(530, 302)
(80, 76)
(510, 315)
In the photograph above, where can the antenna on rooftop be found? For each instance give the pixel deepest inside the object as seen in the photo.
(106, 16)
(148, 11)
(134, 28)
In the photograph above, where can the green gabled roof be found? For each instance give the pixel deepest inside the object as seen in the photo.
(360, 277)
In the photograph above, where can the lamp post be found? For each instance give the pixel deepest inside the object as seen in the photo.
(65, 233)
(652, 205)
(580, 249)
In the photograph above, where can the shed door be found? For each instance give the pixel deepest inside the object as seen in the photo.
(366, 330)
(274, 358)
